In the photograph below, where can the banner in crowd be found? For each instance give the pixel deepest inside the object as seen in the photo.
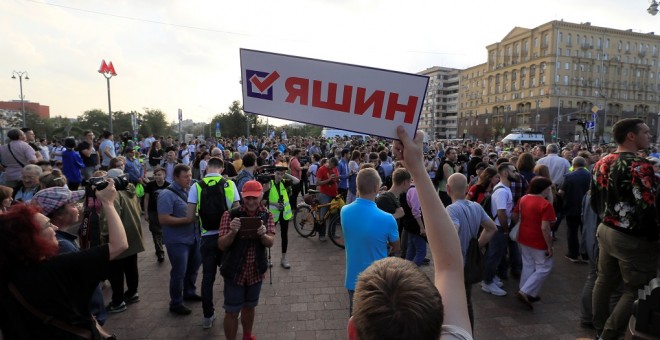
(331, 94)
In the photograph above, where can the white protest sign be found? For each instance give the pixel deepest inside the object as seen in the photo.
(348, 97)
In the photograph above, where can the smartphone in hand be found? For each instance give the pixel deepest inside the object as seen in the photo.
(249, 227)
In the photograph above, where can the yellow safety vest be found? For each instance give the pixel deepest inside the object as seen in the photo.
(229, 196)
(274, 199)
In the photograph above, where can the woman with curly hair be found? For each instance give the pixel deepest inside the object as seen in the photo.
(44, 296)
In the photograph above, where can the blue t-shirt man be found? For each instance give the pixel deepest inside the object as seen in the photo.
(108, 146)
(367, 231)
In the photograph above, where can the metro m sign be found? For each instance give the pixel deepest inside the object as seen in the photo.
(107, 69)
(348, 97)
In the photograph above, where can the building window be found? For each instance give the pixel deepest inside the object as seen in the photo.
(561, 36)
(568, 52)
(557, 78)
(565, 80)
(598, 45)
(568, 39)
(607, 43)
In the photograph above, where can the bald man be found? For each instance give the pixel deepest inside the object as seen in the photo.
(467, 217)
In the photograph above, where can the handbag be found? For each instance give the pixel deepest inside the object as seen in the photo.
(474, 260)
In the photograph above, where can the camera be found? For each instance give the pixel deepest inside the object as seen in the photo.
(266, 174)
(99, 183)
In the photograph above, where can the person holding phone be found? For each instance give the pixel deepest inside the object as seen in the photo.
(244, 260)
(327, 178)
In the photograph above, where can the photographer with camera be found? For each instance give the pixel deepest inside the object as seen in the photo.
(279, 206)
(36, 296)
(245, 233)
(126, 265)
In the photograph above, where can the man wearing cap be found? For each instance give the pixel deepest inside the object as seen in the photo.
(126, 264)
(59, 205)
(133, 167)
(244, 262)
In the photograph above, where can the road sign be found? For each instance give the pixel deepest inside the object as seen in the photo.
(591, 125)
(217, 129)
(594, 116)
(594, 109)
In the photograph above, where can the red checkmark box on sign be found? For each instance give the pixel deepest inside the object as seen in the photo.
(263, 85)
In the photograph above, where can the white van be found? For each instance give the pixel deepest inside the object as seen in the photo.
(332, 133)
(524, 137)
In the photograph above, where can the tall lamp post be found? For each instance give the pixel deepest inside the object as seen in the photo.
(20, 75)
(108, 71)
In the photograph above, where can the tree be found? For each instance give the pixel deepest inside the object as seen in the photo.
(232, 123)
(302, 130)
(94, 120)
(153, 122)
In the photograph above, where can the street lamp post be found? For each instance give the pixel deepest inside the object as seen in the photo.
(108, 71)
(20, 75)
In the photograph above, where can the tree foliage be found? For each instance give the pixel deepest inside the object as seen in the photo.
(234, 122)
(153, 122)
(302, 130)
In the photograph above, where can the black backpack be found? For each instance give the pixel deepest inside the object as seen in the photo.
(212, 203)
(487, 203)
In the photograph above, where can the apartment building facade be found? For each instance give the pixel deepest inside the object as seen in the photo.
(547, 78)
(440, 110)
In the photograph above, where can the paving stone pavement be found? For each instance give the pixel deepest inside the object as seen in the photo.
(309, 300)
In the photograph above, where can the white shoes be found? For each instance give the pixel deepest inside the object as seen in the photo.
(208, 322)
(493, 288)
(285, 264)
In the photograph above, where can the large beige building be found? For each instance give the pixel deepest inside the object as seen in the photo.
(541, 78)
(440, 110)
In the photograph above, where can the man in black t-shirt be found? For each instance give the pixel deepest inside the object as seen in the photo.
(151, 192)
(388, 201)
(88, 154)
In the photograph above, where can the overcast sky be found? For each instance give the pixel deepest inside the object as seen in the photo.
(172, 54)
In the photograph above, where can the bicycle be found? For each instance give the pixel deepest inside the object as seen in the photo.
(307, 219)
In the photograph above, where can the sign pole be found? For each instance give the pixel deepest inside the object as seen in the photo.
(108, 71)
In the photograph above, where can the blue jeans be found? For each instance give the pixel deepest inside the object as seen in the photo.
(494, 254)
(97, 306)
(416, 251)
(211, 256)
(185, 260)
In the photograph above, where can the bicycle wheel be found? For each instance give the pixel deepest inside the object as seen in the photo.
(303, 221)
(336, 232)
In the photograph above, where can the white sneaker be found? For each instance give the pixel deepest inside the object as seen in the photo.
(498, 281)
(208, 322)
(492, 288)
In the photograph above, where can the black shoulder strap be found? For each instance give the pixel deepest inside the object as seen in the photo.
(12, 154)
(178, 194)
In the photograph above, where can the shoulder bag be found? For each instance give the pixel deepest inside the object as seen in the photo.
(474, 259)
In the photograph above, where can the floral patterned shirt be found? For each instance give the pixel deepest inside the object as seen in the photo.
(624, 190)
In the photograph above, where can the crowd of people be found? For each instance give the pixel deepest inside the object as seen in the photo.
(216, 204)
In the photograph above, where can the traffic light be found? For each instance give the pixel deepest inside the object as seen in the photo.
(554, 135)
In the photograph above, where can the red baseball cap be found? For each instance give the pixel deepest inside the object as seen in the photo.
(252, 189)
